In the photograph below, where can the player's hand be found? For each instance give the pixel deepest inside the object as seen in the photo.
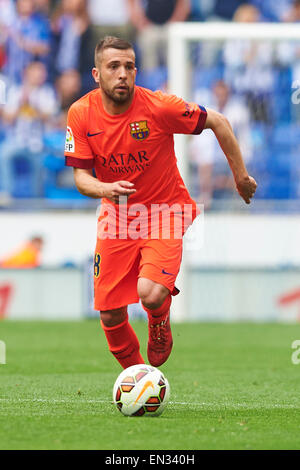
(246, 188)
(119, 188)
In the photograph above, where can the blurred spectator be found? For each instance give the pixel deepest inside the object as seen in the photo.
(225, 10)
(73, 48)
(214, 174)
(68, 86)
(7, 19)
(27, 39)
(28, 109)
(42, 13)
(150, 18)
(248, 67)
(27, 256)
(272, 11)
(201, 9)
(43, 7)
(292, 14)
(110, 18)
(288, 52)
(288, 59)
(8, 13)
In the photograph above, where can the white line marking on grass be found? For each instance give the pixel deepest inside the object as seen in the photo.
(238, 405)
(50, 400)
(187, 404)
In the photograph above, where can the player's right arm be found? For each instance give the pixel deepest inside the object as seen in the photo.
(90, 186)
(175, 116)
(79, 155)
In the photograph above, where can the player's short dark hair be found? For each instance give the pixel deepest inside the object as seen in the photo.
(112, 42)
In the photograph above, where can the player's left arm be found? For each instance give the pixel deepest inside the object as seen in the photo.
(219, 124)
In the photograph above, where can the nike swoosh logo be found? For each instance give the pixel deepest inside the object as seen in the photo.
(92, 135)
(147, 385)
(165, 272)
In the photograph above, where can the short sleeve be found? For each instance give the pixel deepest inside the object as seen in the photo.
(78, 152)
(177, 116)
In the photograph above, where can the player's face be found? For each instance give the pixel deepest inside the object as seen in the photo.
(116, 74)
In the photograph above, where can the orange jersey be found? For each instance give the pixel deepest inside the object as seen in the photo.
(136, 146)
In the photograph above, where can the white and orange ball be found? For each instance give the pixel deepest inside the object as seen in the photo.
(141, 390)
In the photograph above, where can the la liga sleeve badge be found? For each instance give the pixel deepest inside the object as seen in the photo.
(70, 143)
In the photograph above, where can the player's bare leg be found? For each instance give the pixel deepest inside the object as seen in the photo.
(156, 300)
(122, 340)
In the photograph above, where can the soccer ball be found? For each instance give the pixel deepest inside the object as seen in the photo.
(141, 390)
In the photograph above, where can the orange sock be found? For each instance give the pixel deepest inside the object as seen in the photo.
(159, 313)
(123, 343)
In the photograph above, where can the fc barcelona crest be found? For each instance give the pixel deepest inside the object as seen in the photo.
(139, 130)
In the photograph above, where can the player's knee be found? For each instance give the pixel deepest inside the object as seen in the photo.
(151, 293)
(113, 317)
(154, 299)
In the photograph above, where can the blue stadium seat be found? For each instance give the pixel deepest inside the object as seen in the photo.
(22, 171)
(153, 79)
(282, 94)
(63, 194)
(54, 164)
(205, 77)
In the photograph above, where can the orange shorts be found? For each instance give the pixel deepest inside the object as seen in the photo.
(119, 263)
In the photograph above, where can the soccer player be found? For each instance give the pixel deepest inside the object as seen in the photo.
(125, 134)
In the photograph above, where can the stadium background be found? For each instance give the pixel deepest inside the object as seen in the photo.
(248, 264)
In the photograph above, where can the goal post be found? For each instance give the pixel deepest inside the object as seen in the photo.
(180, 35)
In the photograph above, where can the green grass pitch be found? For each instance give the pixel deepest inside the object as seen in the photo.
(233, 386)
